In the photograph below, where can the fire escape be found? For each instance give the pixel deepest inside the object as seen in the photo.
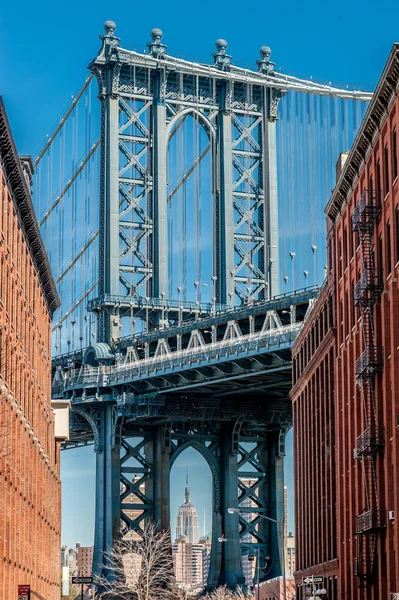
(371, 522)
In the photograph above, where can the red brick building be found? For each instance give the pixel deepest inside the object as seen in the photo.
(30, 486)
(363, 388)
(314, 356)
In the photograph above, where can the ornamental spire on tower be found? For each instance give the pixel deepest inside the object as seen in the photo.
(187, 491)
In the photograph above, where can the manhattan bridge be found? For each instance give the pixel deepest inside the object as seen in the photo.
(179, 202)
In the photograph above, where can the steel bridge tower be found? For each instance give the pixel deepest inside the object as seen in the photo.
(144, 98)
(219, 382)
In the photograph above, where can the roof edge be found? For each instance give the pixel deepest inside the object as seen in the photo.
(22, 198)
(372, 121)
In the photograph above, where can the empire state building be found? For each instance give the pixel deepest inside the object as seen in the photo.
(187, 519)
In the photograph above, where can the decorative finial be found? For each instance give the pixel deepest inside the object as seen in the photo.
(110, 27)
(157, 48)
(222, 59)
(109, 40)
(265, 65)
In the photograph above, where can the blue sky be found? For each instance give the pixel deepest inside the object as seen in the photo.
(45, 47)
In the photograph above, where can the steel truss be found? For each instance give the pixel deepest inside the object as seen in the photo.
(144, 103)
(236, 421)
(134, 456)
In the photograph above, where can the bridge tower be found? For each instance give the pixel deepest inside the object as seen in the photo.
(144, 99)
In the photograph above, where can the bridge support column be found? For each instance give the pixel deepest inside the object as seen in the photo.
(224, 268)
(108, 504)
(231, 570)
(109, 215)
(269, 184)
(161, 474)
(159, 203)
(276, 453)
(158, 488)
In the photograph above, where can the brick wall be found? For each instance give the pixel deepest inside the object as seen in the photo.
(314, 446)
(379, 174)
(334, 408)
(30, 489)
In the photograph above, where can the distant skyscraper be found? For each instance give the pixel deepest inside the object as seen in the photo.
(187, 522)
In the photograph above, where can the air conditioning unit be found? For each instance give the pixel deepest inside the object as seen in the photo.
(356, 453)
(391, 517)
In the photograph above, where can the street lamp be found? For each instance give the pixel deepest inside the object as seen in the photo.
(223, 539)
(281, 526)
(319, 593)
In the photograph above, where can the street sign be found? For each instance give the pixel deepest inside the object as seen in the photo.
(23, 592)
(312, 579)
(82, 579)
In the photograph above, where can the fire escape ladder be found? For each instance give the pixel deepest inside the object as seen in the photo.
(365, 558)
(368, 288)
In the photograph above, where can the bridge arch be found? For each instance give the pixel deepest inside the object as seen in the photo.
(211, 460)
(205, 122)
(191, 204)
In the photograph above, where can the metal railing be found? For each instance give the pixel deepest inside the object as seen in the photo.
(233, 312)
(371, 440)
(367, 209)
(104, 376)
(370, 362)
(369, 286)
(370, 521)
(142, 302)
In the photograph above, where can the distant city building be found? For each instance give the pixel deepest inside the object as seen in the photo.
(290, 552)
(85, 560)
(191, 556)
(30, 487)
(187, 521)
(75, 561)
(206, 558)
(188, 564)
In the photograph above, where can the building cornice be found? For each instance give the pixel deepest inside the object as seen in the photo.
(23, 204)
(374, 118)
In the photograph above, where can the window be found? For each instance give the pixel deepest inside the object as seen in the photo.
(345, 249)
(330, 255)
(397, 232)
(341, 321)
(394, 155)
(351, 236)
(380, 255)
(379, 178)
(389, 265)
(340, 260)
(386, 170)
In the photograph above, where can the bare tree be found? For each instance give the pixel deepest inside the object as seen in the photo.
(224, 593)
(142, 569)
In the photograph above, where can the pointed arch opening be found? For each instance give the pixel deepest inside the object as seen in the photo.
(190, 206)
(192, 505)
